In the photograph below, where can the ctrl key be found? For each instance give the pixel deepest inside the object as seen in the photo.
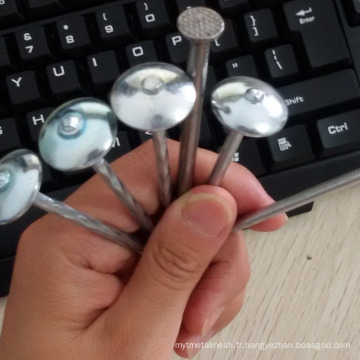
(339, 133)
(9, 138)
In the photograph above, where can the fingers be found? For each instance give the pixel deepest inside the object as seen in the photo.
(179, 251)
(223, 281)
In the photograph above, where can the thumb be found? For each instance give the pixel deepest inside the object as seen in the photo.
(177, 254)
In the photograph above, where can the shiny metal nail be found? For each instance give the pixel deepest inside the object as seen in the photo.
(154, 97)
(76, 136)
(201, 26)
(20, 181)
(248, 107)
(302, 198)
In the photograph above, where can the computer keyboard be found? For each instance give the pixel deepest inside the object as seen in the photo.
(55, 50)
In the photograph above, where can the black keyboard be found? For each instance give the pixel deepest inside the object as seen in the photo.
(55, 50)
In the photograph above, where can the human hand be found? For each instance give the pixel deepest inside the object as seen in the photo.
(77, 296)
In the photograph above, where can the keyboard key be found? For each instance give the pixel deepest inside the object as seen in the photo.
(44, 8)
(352, 8)
(339, 133)
(242, 66)
(33, 46)
(248, 155)
(178, 48)
(6, 66)
(260, 27)
(24, 90)
(112, 25)
(290, 147)
(153, 17)
(80, 4)
(226, 44)
(182, 5)
(207, 139)
(64, 80)
(120, 147)
(233, 7)
(9, 138)
(104, 70)
(281, 62)
(35, 120)
(320, 31)
(10, 14)
(141, 52)
(322, 93)
(73, 35)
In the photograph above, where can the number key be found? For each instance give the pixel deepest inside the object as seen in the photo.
(33, 46)
(10, 14)
(113, 26)
(153, 16)
(73, 34)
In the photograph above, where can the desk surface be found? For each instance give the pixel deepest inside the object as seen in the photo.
(304, 289)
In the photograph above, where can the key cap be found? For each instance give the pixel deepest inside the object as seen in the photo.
(104, 70)
(43, 8)
(10, 14)
(322, 93)
(182, 5)
(248, 155)
(121, 147)
(289, 147)
(242, 66)
(260, 27)
(24, 90)
(33, 46)
(206, 140)
(320, 32)
(141, 52)
(233, 7)
(73, 35)
(339, 133)
(6, 66)
(281, 62)
(35, 120)
(113, 27)
(9, 138)
(64, 80)
(144, 136)
(352, 8)
(178, 48)
(80, 4)
(153, 17)
(227, 43)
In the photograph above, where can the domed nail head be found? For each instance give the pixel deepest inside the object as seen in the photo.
(154, 97)
(20, 181)
(77, 135)
(248, 107)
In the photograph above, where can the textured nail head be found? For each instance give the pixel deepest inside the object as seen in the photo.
(200, 24)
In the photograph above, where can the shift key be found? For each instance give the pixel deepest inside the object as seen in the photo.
(321, 93)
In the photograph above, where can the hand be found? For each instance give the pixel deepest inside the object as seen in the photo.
(77, 296)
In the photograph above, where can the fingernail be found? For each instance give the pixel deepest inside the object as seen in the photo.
(207, 214)
(211, 320)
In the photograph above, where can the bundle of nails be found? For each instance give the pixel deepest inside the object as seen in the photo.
(78, 134)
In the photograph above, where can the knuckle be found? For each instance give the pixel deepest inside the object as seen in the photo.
(177, 266)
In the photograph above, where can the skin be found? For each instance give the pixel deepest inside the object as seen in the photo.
(77, 296)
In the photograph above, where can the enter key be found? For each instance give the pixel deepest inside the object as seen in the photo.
(339, 133)
(317, 23)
